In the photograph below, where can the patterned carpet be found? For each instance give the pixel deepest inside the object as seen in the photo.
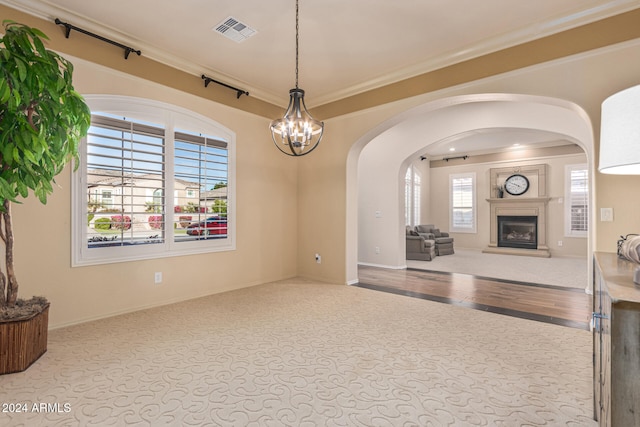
(299, 353)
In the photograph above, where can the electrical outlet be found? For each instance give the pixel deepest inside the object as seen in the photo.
(157, 277)
(377, 249)
(559, 242)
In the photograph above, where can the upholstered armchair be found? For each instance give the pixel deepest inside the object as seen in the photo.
(419, 248)
(444, 243)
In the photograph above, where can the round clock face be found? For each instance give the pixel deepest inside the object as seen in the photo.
(516, 184)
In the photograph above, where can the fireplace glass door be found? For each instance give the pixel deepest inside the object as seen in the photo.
(518, 232)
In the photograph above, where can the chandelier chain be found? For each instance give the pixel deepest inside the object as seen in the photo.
(297, 42)
(297, 133)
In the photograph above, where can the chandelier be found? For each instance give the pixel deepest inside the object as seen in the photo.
(297, 133)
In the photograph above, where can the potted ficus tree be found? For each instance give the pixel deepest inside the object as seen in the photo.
(42, 119)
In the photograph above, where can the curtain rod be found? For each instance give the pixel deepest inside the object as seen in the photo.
(446, 159)
(239, 92)
(69, 27)
(128, 50)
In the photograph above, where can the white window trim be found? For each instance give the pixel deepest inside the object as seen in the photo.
(567, 200)
(417, 196)
(408, 193)
(474, 227)
(412, 196)
(171, 116)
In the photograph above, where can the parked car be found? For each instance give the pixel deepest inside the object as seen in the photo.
(213, 225)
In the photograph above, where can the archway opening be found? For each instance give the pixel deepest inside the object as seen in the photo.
(377, 163)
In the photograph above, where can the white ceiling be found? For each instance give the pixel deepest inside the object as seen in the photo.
(491, 141)
(346, 46)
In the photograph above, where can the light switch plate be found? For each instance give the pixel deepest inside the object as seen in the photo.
(606, 214)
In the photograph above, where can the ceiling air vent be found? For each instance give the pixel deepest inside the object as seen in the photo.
(235, 30)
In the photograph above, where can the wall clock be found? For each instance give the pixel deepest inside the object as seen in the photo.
(516, 184)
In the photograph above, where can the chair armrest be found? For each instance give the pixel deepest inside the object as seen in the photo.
(414, 244)
(427, 236)
(444, 234)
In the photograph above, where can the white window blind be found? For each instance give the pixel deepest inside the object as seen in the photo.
(462, 203)
(416, 196)
(412, 199)
(200, 164)
(577, 200)
(407, 197)
(124, 160)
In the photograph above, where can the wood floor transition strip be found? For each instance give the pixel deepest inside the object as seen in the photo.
(511, 282)
(477, 306)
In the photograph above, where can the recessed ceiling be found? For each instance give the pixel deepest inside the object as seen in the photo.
(491, 141)
(346, 47)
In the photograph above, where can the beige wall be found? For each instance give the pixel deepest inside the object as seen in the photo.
(439, 203)
(585, 80)
(266, 224)
(290, 209)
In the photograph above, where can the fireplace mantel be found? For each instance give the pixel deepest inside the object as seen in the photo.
(519, 206)
(519, 200)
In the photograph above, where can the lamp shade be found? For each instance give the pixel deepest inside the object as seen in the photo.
(620, 133)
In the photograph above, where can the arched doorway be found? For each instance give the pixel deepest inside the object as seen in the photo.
(402, 137)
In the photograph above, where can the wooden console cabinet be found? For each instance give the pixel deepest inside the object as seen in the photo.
(616, 342)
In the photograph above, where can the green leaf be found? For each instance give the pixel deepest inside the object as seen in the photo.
(23, 190)
(40, 46)
(6, 192)
(41, 195)
(22, 69)
(16, 99)
(39, 34)
(34, 152)
(5, 91)
(29, 156)
(7, 154)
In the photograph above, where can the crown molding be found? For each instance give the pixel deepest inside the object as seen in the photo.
(48, 10)
(484, 47)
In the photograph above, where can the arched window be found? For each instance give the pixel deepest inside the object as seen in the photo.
(138, 151)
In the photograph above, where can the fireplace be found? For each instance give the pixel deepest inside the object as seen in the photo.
(527, 214)
(518, 232)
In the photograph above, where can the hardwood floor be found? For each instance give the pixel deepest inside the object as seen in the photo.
(545, 303)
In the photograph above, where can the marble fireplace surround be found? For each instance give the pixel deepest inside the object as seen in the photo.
(525, 205)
